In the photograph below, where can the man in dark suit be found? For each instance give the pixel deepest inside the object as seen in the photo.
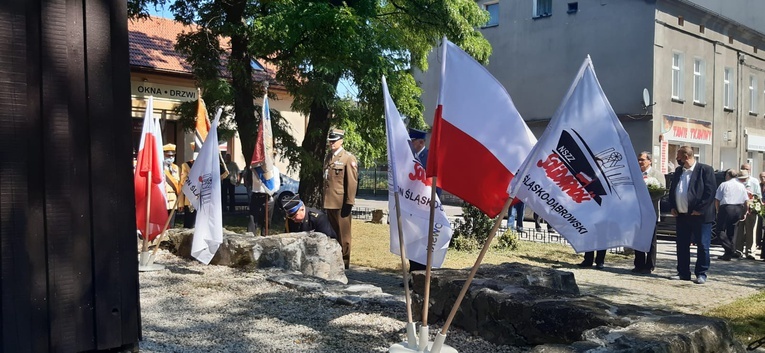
(691, 198)
(420, 150)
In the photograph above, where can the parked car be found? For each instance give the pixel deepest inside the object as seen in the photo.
(289, 187)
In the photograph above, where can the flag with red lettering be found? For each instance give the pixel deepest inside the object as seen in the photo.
(479, 139)
(149, 161)
(407, 178)
(583, 177)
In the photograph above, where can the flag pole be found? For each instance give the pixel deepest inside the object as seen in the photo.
(442, 335)
(267, 197)
(145, 246)
(411, 337)
(428, 268)
(265, 153)
(164, 229)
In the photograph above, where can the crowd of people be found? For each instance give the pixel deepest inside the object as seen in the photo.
(702, 208)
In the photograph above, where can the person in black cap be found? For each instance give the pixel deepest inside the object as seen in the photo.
(419, 148)
(305, 219)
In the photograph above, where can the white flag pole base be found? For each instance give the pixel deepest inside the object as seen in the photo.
(423, 339)
(146, 263)
(437, 346)
(411, 335)
(410, 345)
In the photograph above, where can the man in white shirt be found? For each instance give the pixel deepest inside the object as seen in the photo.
(745, 231)
(731, 203)
(691, 198)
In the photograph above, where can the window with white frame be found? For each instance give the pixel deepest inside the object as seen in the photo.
(728, 88)
(698, 80)
(493, 10)
(542, 8)
(677, 76)
(753, 94)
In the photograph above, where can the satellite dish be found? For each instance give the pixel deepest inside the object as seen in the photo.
(646, 98)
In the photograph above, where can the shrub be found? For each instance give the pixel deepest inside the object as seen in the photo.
(465, 244)
(507, 240)
(474, 224)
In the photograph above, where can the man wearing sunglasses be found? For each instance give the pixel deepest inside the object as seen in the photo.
(306, 219)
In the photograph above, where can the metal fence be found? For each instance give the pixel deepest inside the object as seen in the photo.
(373, 181)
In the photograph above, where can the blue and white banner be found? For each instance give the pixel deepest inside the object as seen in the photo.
(583, 177)
(407, 177)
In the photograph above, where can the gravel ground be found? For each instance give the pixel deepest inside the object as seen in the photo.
(190, 307)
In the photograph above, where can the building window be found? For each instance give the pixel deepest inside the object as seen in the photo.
(752, 94)
(698, 81)
(677, 76)
(573, 7)
(728, 88)
(542, 8)
(493, 10)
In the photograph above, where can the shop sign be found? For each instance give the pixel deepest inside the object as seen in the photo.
(755, 143)
(677, 128)
(176, 93)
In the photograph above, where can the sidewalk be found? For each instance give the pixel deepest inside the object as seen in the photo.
(727, 281)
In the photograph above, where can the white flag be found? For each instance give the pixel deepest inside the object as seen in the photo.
(202, 188)
(583, 176)
(407, 177)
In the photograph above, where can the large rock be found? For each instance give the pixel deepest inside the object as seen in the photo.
(519, 304)
(312, 254)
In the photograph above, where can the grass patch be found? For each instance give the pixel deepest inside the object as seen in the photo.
(746, 317)
(371, 248)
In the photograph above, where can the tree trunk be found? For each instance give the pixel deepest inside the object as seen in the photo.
(241, 81)
(315, 149)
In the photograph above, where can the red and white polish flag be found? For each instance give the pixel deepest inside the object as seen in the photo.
(150, 159)
(479, 140)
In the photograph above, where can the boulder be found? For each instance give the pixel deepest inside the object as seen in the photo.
(312, 254)
(523, 305)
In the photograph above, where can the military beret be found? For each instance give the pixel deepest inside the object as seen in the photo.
(415, 134)
(335, 134)
(292, 205)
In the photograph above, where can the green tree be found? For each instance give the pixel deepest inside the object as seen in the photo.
(313, 44)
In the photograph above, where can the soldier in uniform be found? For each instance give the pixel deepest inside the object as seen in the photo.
(340, 183)
(172, 179)
(306, 219)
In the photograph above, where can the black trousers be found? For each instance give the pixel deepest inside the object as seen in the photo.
(647, 260)
(257, 212)
(228, 190)
(599, 259)
(189, 218)
(537, 225)
(727, 217)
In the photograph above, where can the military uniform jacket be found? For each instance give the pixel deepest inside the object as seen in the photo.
(314, 220)
(172, 184)
(340, 180)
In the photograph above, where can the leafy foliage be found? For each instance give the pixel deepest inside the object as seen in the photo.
(474, 224)
(312, 45)
(507, 240)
